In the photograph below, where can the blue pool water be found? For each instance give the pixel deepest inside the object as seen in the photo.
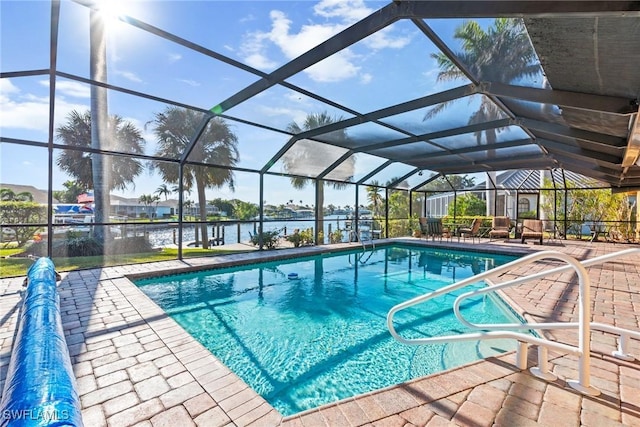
(323, 337)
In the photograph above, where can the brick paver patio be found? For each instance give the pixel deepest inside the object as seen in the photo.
(136, 366)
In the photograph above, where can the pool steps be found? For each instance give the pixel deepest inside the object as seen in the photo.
(487, 331)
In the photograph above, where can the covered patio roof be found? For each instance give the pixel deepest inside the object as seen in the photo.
(579, 113)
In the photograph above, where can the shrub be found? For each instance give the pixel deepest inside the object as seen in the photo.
(295, 238)
(269, 239)
(307, 236)
(336, 236)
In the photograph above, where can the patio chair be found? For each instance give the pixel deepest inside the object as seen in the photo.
(500, 226)
(473, 231)
(435, 229)
(424, 227)
(532, 229)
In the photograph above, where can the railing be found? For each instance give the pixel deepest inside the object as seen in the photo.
(358, 238)
(584, 325)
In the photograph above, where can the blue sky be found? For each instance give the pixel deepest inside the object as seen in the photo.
(390, 67)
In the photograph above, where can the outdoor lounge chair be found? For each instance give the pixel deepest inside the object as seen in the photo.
(500, 227)
(424, 228)
(435, 229)
(473, 231)
(532, 229)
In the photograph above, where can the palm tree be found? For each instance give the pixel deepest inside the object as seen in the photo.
(164, 190)
(187, 205)
(8, 195)
(123, 136)
(147, 200)
(374, 196)
(294, 160)
(100, 172)
(502, 53)
(217, 146)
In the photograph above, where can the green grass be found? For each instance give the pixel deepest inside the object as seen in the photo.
(17, 266)
(5, 252)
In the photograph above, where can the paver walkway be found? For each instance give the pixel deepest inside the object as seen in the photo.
(136, 366)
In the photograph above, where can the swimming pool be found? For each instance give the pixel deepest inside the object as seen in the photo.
(322, 336)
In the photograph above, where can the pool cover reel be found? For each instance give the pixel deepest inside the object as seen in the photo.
(40, 385)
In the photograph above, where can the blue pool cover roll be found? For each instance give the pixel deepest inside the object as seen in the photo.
(40, 385)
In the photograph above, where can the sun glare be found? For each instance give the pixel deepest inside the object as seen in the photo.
(112, 10)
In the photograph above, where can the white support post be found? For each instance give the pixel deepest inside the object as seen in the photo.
(542, 370)
(521, 355)
(621, 352)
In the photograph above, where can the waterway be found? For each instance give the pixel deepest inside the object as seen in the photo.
(241, 232)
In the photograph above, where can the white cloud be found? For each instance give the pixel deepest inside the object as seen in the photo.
(350, 11)
(129, 76)
(260, 61)
(292, 44)
(383, 40)
(248, 18)
(334, 69)
(290, 114)
(366, 78)
(70, 88)
(336, 15)
(190, 82)
(174, 57)
(6, 88)
(28, 111)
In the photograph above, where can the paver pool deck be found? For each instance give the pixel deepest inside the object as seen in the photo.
(136, 366)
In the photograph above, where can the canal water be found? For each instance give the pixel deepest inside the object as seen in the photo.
(169, 235)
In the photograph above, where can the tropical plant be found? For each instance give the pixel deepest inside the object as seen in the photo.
(467, 204)
(398, 204)
(148, 200)
(501, 53)
(305, 153)
(124, 137)
(245, 210)
(336, 236)
(164, 190)
(216, 146)
(21, 213)
(100, 172)
(374, 197)
(71, 192)
(584, 206)
(8, 195)
(269, 239)
(295, 238)
(451, 182)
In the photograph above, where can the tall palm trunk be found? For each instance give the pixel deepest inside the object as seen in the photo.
(202, 201)
(491, 176)
(320, 210)
(100, 164)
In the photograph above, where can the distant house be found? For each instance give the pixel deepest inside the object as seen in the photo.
(120, 206)
(517, 192)
(132, 208)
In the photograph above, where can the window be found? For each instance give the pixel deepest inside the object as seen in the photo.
(523, 205)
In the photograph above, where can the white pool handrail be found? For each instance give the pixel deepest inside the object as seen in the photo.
(584, 315)
(624, 334)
